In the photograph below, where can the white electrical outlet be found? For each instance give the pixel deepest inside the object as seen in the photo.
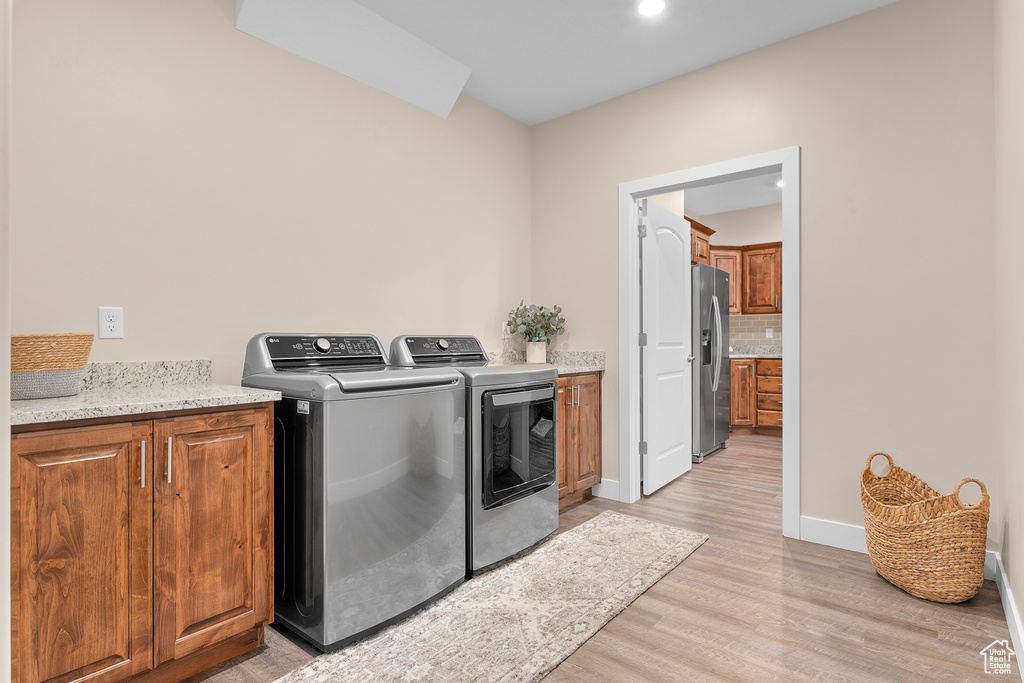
(768, 332)
(111, 322)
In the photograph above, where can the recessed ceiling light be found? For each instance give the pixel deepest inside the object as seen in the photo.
(649, 8)
(780, 183)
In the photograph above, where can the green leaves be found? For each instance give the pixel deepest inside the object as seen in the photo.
(536, 323)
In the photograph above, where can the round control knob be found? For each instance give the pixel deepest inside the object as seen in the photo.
(442, 344)
(322, 345)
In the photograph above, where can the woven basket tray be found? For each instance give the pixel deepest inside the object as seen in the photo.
(930, 545)
(48, 365)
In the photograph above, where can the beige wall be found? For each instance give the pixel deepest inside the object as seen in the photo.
(672, 201)
(216, 186)
(1009, 243)
(888, 107)
(747, 226)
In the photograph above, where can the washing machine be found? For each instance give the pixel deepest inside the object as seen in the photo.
(511, 445)
(370, 483)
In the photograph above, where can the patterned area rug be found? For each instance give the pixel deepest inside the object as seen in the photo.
(518, 622)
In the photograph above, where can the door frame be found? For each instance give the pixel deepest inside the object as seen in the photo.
(788, 161)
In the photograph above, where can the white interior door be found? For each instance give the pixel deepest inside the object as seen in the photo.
(665, 375)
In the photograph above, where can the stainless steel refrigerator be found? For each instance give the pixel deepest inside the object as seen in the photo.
(710, 310)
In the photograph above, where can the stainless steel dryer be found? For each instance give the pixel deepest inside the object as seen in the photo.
(511, 444)
(370, 507)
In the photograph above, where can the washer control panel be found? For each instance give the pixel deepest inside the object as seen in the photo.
(332, 347)
(413, 350)
(443, 346)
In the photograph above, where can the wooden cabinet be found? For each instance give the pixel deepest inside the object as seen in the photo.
(730, 259)
(566, 397)
(769, 401)
(81, 542)
(762, 278)
(141, 547)
(742, 403)
(755, 395)
(579, 436)
(700, 242)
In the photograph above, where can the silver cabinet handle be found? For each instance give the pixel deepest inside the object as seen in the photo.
(143, 463)
(170, 459)
(577, 395)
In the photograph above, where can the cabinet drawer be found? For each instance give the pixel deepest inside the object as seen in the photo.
(769, 385)
(769, 401)
(769, 418)
(769, 367)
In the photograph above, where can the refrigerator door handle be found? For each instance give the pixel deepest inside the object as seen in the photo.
(718, 341)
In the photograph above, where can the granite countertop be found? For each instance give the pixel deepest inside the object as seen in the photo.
(566, 362)
(112, 389)
(755, 352)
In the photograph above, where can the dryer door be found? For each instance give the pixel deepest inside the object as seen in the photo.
(519, 437)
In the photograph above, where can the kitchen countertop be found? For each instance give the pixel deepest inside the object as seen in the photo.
(755, 352)
(115, 389)
(566, 362)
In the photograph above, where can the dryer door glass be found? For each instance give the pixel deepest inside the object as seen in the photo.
(519, 437)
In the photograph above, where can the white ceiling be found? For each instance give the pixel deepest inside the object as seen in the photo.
(733, 195)
(536, 60)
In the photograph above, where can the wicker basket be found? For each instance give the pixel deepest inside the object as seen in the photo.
(48, 365)
(931, 546)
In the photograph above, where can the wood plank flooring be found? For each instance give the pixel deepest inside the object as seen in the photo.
(749, 605)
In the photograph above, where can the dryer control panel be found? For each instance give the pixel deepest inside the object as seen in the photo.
(413, 350)
(324, 349)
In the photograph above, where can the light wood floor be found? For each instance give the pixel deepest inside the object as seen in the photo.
(748, 605)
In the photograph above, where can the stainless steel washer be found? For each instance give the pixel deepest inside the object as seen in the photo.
(511, 444)
(370, 507)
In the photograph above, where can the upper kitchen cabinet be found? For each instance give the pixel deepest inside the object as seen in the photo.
(700, 242)
(762, 278)
(730, 259)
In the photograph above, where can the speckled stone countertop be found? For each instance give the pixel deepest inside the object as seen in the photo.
(566, 362)
(755, 352)
(112, 389)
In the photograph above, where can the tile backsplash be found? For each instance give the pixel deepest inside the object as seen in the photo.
(749, 330)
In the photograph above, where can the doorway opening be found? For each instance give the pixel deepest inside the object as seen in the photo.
(785, 162)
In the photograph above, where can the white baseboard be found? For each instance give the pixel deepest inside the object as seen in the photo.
(835, 534)
(851, 537)
(608, 488)
(1013, 620)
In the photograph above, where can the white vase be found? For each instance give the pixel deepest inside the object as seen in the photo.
(537, 352)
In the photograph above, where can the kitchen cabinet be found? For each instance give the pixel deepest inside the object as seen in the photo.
(579, 436)
(141, 549)
(762, 278)
(769, 392)
(755, 395)
(742, 391)
(700, 242)
(730, 259)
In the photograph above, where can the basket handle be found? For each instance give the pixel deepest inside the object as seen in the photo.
(956, 493)
(872, 457)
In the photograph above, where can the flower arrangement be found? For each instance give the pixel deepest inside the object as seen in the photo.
(536, 323)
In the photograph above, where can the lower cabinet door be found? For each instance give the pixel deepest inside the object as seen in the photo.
(565, 417)
(588, 393)
(742, 394)
(212, 529)
(81, 542)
